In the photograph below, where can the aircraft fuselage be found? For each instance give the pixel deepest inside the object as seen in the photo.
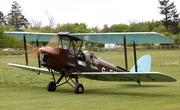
(68, 60)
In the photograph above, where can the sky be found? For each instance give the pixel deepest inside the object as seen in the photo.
(92, 12)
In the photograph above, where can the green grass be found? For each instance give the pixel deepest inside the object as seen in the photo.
(20, 89)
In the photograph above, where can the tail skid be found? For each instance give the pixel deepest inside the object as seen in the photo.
(143, 64)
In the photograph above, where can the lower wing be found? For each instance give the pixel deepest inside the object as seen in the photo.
(34, 69)
(127, 76)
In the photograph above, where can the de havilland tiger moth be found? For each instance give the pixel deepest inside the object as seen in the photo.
(62, 58)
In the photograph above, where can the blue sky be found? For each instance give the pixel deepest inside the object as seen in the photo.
(92, 12)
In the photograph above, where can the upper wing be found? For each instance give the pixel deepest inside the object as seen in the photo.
(128, 76)
(34, 69)
(30, 36)
(137, 37)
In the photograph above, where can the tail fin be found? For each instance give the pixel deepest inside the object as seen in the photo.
(143, 64)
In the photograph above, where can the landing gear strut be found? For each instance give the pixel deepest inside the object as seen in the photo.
(52, 85)
(139, 83)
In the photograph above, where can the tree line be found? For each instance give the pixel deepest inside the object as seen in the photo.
(15, 21)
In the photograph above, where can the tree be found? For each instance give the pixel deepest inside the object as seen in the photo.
(175, 22)
(50, 18)
(170, 12)
(106, 29)
(138, 27)
(35, 25)
(2, 19)
(80, 28)
(46, 29)
(120, 27)
(64, 28)
(177, 40)
(2, 36)
(95, 29)
(15, 17)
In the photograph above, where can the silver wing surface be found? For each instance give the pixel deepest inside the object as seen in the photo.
(33, 69)
(127, 76)
(32, 36)
(137, 37)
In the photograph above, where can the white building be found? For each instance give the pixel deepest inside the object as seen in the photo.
(108, 46)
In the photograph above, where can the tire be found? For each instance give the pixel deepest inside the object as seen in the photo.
(51, 86)
(78, 89)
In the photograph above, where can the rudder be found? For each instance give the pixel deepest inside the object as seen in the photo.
(143, 64)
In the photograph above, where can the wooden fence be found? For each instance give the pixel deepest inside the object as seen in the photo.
(159, 47)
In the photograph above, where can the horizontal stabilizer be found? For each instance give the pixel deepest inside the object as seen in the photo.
(34, 69)
(127, 76)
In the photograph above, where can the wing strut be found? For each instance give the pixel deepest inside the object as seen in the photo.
(25, 48)
(39, 64)
(125, 53)
(135, 60)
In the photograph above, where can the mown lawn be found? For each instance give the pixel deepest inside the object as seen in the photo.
(20, 89)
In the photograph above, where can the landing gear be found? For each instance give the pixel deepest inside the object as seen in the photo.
(78, 89)
(51, 86)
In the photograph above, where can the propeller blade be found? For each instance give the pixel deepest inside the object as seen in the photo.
(52, 47)
(33, 54)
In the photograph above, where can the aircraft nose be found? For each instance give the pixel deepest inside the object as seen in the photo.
(41, 49)
(50, 50)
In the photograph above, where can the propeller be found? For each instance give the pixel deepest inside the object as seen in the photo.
(52, 48)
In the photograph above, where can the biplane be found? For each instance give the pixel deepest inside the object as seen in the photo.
(61, 58)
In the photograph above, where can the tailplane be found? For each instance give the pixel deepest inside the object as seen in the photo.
(143, 64)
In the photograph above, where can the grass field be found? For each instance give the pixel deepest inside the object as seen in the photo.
(20, 89)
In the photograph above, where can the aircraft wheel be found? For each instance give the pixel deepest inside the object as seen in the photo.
(51, 86)
(78, 89)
